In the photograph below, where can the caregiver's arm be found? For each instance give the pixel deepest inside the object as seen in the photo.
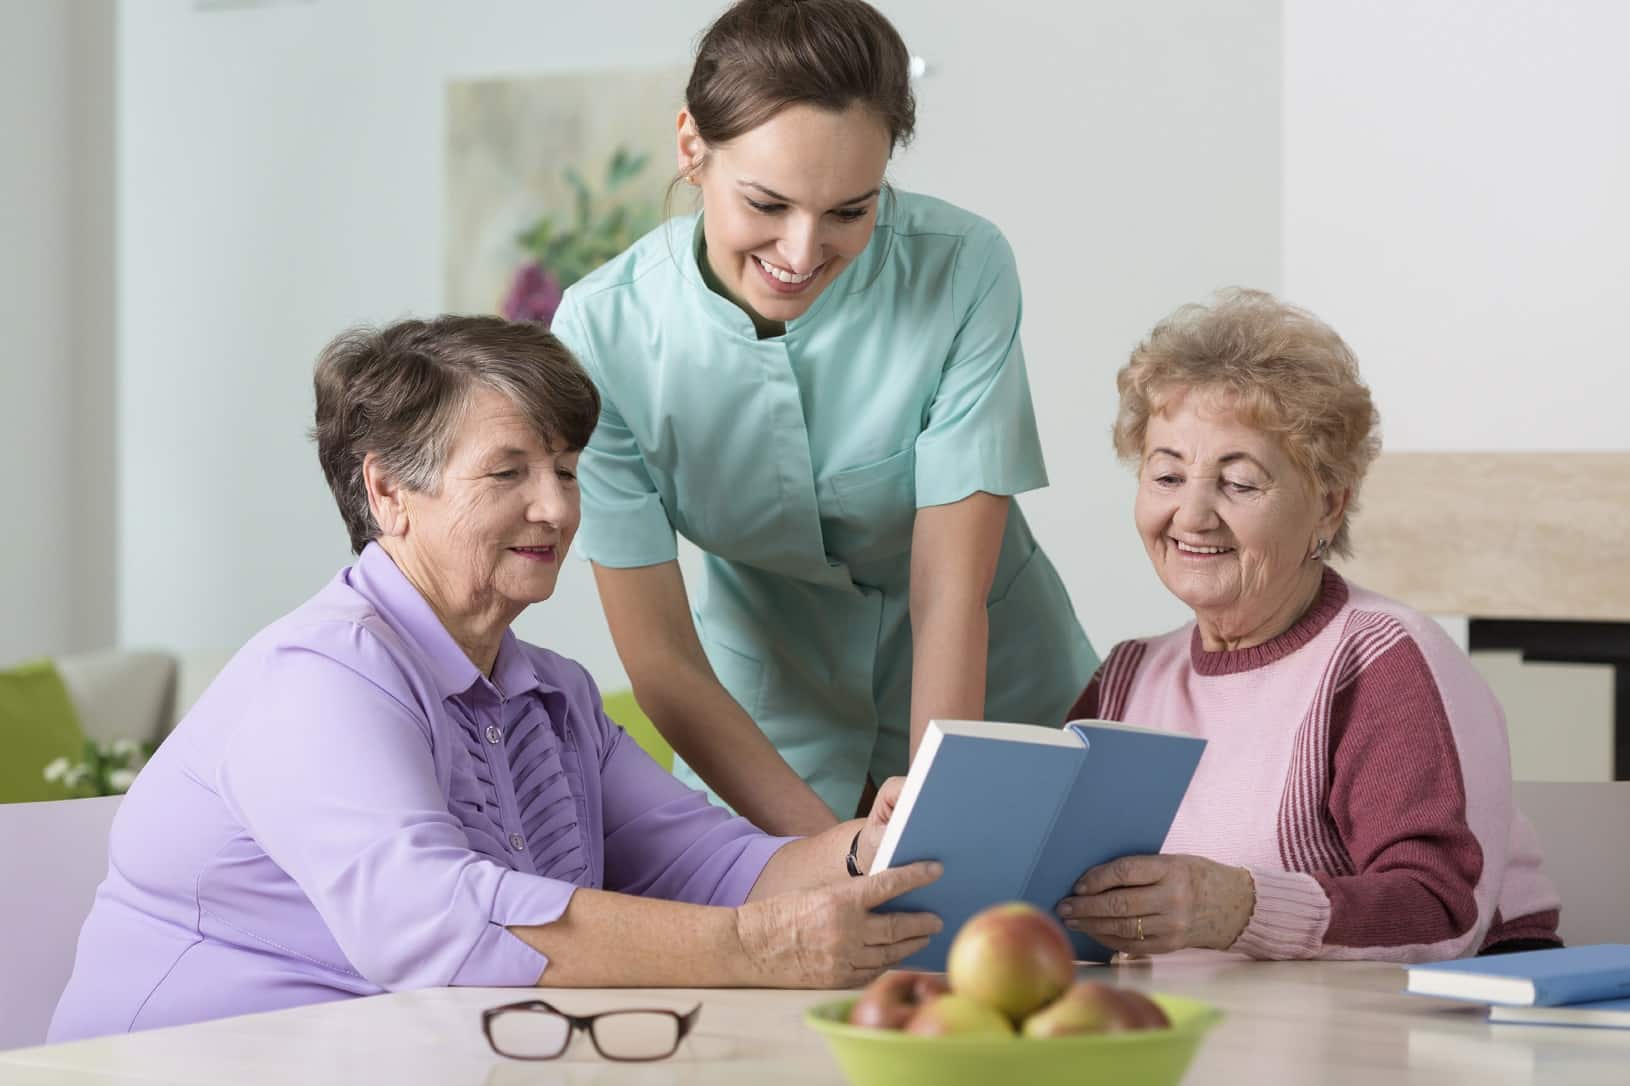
(953, 561)
(814, 861)
(649, 615)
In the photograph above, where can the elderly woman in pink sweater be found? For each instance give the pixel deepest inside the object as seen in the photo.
(1354, 800)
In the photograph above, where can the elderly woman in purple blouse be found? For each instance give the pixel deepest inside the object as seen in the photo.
(386, 789)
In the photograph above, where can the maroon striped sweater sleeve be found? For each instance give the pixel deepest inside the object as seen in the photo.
(1106, 692)
(1398, 803)
(1086, 706)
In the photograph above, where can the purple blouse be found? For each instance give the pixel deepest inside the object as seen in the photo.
(352, 807)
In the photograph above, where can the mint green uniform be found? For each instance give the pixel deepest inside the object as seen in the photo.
(797, 465)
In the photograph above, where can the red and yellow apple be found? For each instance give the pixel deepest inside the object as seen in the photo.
(1141, 1012)
(889, 1001)
(1012, 957)
(953, 1015)
(1092, 1007)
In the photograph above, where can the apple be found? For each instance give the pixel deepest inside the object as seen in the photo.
(889, 1001)
(1092, 1007)
(960, 1016)
(1012, 957)
(1144, 1012)
(1085, 1007)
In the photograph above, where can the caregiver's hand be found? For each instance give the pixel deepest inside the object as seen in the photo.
(829, 937)
(1156, 904)
(877, 820)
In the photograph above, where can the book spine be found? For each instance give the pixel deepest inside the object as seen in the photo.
(1027, 888)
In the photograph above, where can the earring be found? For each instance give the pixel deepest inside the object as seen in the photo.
(1320, 549)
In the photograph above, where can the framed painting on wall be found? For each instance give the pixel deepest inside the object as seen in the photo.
(548, 178)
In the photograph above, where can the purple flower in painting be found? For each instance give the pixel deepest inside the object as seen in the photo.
(533, 296)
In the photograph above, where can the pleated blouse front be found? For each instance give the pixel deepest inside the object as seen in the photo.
(515, 790)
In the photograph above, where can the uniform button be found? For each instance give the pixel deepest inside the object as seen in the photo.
(517, 842)
(493, 734)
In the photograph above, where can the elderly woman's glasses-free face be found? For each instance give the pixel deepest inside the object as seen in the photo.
(537, 1031)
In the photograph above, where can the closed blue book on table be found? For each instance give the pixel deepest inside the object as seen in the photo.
(1018, 812)
(1544, 978)
(1598, 1014)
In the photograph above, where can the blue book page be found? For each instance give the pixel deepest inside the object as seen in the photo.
(1122, 804)
(984, 808)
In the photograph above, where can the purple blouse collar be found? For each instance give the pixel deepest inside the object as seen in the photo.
(376, 577)
(1332, 597)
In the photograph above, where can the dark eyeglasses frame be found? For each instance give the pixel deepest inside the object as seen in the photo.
(585, 1023)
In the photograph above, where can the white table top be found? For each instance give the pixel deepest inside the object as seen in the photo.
(1290, 1022)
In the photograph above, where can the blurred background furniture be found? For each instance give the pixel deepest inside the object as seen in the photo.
(622, 708)
(1582, 827)
(1526, 548)
(53, 856)
(112, 694)
(142, 695)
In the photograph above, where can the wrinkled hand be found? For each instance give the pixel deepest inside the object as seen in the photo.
(877, 820)
(1183, 901)
(829, 937)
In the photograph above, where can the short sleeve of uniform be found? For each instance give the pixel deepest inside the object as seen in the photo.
(981, 430)
(624, 521)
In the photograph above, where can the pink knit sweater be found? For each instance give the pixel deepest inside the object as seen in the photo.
(1358, 766)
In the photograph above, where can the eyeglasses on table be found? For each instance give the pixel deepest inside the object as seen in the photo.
(535, 1030)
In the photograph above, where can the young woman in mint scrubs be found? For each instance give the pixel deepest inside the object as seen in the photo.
(818, 381)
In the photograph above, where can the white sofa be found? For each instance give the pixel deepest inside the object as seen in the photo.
(136, 694)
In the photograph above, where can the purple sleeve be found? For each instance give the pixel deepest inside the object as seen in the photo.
(330, 769)
(664, 839)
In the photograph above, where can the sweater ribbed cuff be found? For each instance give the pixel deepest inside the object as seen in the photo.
(1291, 915)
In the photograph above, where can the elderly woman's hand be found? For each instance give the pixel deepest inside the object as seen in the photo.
(829, 937)
(1155, 904)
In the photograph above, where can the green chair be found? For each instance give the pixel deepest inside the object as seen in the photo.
(38, 724)
(622, 708)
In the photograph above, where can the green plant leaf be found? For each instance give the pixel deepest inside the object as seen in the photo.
(585, 199)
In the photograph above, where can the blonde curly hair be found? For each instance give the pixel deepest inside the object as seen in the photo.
(1279, 368)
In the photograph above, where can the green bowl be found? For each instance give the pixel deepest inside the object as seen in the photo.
(1152, 1057)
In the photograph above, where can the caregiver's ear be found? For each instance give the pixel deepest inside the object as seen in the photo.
(691, 148)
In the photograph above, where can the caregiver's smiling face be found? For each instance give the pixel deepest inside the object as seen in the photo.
(788, 205)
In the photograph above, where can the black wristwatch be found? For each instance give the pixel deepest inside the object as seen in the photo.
(853, 859)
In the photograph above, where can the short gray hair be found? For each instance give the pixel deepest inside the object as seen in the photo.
(398, 392)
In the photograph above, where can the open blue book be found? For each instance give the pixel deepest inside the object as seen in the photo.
(1018, 812)
(1544, 978)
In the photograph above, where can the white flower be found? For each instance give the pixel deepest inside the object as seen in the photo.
(120, 780)
(124, 748)
(76, 775)
(57, 770)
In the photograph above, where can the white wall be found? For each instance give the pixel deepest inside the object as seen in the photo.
(34, 385)
(1455, 180)
(1131, 152)
(282, 178)
(1454, 204)
(34, 359)
(56, 150)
